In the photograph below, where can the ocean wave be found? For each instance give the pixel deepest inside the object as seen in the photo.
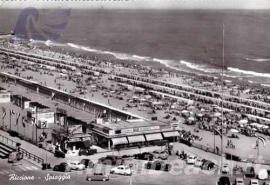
(258, 59)
(202, 68)
(140, 57)
(90, 49)
(248, 72)
(73, 45)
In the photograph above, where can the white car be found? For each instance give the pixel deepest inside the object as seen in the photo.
(254, 182)
(263, 174)
(160, 154)
(191, 159)
(239, 181)
(199, 162)
(123, 170)
(76, 165)
(225, 168)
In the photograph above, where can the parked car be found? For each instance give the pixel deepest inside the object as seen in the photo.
(87, 152)
(158, 165)
(123, 170)
(199, 162)
(207, 165)
(62, 167)
(253, 182)
(250, 172)
(263, 174)
(160, 154)
(224, 180)
(191, 159)
(87, 163)
(238, 181)
(225, 168)
(15, 157)
(76, 165)
(97, 177)
(266, 183)
(111, 160)
(145, 156)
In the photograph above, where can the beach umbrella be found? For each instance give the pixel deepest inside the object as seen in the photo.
(191, 119)
(254, 124)
(200, 115)
(243, 121)
(185, 111)
(202, 110)
(234, 130)
(134, 97)
(148, 96)
(217, 114)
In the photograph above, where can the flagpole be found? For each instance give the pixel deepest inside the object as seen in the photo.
(222, 97)
(10, 120)
(36, 123)
(258, 148)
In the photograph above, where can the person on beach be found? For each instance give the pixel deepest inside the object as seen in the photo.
(256, 146)
(207, 148)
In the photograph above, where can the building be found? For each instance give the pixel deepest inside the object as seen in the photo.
(120, 134)
(72, 135)
(21, 101)
(4, 95)
(40, 114)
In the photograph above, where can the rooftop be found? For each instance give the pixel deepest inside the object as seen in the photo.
(125, 124)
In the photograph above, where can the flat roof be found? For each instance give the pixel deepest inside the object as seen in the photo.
(125, 125)
(39, 105)
(20, 96)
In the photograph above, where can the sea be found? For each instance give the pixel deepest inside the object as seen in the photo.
(189, 41)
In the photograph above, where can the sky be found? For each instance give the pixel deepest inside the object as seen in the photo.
(139, 4)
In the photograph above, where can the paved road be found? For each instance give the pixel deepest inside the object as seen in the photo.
(180, 174)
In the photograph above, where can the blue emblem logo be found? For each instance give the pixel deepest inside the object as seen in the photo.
(30, 25)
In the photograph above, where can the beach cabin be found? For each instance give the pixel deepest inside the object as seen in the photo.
(21, 101)
(4, 96)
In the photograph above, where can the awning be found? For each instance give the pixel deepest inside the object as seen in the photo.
(134, 139)
(171, 134)
(152, 137)
(119, 140)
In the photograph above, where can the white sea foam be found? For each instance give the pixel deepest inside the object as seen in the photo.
(265, 85)
(258, 59)
(198, 67)
(248, 72)
(47, 43)
(140, 57)
(73, 45)
(90, 50)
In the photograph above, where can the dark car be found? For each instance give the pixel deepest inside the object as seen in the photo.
(87, 152)
(207, 165)
(111, 160)
(62, 167)
(97, 177)
(144, 156)
(158, 165)
(87, 163)
(15, 157)
(224, 180)
(250, 172)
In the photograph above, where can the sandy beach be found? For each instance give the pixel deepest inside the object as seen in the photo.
(54, 79)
